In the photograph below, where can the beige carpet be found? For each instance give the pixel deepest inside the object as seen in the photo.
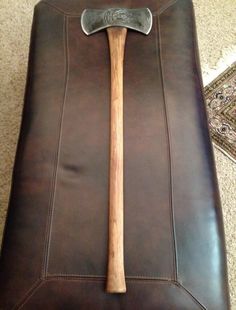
(216, 24)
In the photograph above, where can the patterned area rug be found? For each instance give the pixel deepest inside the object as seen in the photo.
(220, 97)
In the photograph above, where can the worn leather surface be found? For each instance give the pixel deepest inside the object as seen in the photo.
(54, 254)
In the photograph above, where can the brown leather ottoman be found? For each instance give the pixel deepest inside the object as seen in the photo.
(54, 254)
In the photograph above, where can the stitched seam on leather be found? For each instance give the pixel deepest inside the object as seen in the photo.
(191, 295)
(164, 8)
(28, 294)
(54, 7)
(156, 12)
(50, 197)
(60, 10)
(99, 279)
(57, 155)
(158, 43)
(104, 276)
(158, 46)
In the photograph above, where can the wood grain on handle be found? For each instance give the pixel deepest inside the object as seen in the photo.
(116, 274)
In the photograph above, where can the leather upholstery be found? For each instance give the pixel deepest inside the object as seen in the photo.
(54, 253)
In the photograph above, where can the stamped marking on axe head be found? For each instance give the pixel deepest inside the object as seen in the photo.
(116, 21)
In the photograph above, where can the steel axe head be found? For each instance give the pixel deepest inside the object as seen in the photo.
(136, 19)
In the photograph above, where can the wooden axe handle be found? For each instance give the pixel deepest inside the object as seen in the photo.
(116, 274)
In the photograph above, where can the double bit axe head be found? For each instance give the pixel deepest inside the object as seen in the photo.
(136, 19)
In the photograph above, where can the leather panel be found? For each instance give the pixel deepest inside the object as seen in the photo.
(82, 179)
(23, 249)
(196, 204)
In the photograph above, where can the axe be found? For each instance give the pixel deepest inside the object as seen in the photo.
(116, 21)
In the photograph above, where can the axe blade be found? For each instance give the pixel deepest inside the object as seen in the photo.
(94, 20)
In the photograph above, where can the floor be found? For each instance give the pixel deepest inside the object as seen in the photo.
(216, 26)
